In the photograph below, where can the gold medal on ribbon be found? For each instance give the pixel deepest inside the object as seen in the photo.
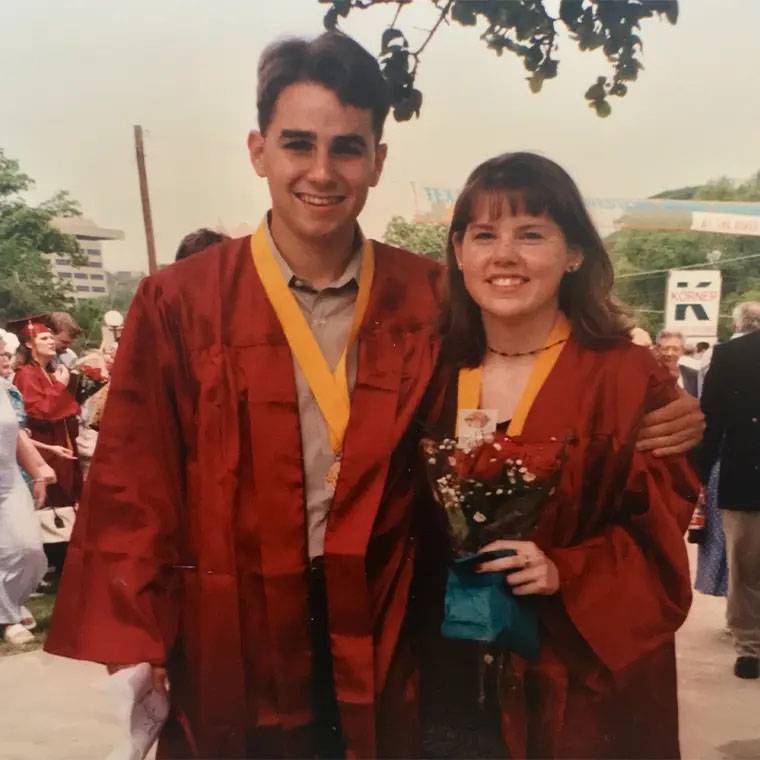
(333, 473)
(330, 388)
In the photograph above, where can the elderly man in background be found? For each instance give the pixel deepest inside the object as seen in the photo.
(731, 404)
(670, 348)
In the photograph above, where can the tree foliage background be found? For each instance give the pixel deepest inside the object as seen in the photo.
(27, 284)
(528, 29)
(426, 239)
(636, 251)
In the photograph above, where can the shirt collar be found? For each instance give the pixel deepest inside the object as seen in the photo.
(350, 274)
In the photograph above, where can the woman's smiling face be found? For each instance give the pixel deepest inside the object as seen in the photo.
(513, 264)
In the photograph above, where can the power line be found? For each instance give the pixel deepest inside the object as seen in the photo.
(701, 265)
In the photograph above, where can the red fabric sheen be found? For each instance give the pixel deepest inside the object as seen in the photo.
(191, 541)
(615, 530)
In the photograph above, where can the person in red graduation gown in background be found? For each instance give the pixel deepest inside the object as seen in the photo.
(534, 335)
(248, 524)
(50, 407)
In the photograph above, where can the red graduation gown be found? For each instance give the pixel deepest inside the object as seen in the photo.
(605, 683)
(190, 546)
(52, 418)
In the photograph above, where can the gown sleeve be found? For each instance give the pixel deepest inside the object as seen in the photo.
(118, 600)
(626, 587)
(44, 399)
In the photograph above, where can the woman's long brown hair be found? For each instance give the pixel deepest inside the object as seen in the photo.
(529, 183)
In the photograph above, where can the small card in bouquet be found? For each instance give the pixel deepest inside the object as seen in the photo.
(474, 424)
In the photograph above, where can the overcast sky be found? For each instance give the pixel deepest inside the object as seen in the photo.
(77, 75)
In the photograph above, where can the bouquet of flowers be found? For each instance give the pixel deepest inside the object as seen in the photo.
(89, 380)
(491, 488)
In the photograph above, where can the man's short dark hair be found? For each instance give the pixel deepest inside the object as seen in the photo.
(197, 241)
(702, 345)
(333, 60)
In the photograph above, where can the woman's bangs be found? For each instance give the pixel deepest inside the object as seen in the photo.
(495, 202)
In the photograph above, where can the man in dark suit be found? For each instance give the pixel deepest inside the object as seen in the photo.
(731, 404)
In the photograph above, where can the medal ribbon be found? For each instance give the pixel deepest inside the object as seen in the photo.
(330, 388)
(471, 378)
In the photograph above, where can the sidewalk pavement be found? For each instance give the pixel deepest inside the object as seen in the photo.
(719, 713)
(55, 709)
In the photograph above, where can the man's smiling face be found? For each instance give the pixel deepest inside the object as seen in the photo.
(320, 157)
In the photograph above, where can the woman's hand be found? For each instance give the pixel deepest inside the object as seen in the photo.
(45, 473)
(61, 451)
(39, 493)
(529, 571)
(42, 476)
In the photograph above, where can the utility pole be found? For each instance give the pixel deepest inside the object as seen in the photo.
(145, 198)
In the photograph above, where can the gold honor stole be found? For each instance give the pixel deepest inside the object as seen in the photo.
(471, 378)
(330, 388)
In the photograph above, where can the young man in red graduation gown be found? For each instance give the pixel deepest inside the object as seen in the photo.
(248, 522)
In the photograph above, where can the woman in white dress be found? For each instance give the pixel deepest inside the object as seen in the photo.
(22, 559)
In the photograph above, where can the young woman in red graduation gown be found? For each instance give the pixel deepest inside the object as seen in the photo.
(51, 410)
(606, 568)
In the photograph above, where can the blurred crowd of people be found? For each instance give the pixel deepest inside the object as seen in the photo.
(50, 413)
(726, 525)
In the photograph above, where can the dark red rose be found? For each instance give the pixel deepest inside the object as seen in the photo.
(485, 462)
(542, 460)
(94, 373)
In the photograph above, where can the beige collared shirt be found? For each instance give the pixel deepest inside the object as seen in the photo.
(329, 312)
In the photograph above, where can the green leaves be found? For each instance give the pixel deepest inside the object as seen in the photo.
(389, 36)
(410, 106)
(340, 8)
(597, 91)
(634, 250)
(27, 284)
(570, 11)
(426, 239)
(668, 8)
(462, 12)
(525, 28)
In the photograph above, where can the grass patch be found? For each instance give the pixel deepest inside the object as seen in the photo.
(42, 609)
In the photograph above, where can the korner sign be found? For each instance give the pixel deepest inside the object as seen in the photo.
(692, 303)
